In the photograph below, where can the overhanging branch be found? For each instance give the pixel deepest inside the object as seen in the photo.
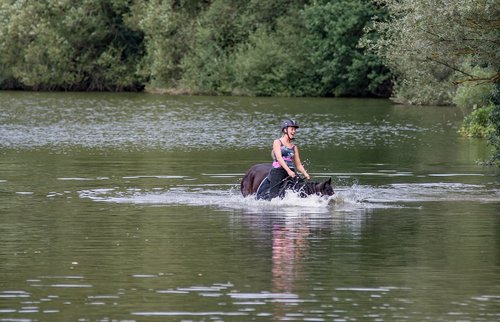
(471, 78)
(449, 66)
(480, 80)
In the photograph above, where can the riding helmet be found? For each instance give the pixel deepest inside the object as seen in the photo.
(288, 123)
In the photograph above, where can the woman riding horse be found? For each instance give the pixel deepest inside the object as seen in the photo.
(286, 158)
(268, 181)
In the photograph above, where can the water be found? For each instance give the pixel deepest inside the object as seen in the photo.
(126, 207)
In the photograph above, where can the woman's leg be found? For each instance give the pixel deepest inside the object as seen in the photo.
(276, 176)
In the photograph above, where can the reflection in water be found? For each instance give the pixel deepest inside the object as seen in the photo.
(289, 247)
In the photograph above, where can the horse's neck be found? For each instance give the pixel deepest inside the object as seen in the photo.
(308, 188)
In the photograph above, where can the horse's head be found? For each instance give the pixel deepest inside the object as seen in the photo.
(325, 188)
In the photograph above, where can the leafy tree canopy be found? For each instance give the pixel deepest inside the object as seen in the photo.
(254, 47)
(430, 44)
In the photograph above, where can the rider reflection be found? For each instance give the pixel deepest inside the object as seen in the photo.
(289, 247)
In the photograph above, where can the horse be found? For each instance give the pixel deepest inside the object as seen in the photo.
(255, 179)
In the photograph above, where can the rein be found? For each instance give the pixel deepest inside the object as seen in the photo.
(310, 188)
(279, 183)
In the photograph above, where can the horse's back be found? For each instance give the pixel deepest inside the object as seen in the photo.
(254, 176)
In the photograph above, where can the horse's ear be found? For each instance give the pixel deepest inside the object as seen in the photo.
(329, 181)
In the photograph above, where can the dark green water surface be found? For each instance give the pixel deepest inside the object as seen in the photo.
(126, 207)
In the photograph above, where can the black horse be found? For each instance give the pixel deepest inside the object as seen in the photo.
(256, 182)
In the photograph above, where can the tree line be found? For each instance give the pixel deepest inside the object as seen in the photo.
(419, 52)
(222, 47)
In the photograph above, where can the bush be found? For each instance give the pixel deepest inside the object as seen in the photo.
(494, 139)
(341, 66)
(284, 48)
(58, 45)
(484, 99)
(274, 63)
(470, 94)
(478, 124)
(261, 66)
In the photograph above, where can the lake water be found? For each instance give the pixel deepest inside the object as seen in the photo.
(126, 207)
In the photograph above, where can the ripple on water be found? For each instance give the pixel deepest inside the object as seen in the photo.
(175, 125)
(14, 294)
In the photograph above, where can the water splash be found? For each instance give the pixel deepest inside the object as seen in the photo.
(350, 198)
(226, 199)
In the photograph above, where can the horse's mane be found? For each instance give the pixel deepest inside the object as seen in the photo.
(309, 188)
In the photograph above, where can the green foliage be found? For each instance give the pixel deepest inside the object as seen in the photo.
(484, 122)
(274, 62)
(254, 47)
(432, 45)
(249, 53)
(477, 123)
(261, 66)
(61, 45)
(218, 31)
(426, 42)
(168, 32)
(422, 83)
(333, 33)
(494, 139)
(470, 94)
(296, 49)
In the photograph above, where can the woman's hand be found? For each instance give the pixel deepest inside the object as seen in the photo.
(291, 174)
(307, 176)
